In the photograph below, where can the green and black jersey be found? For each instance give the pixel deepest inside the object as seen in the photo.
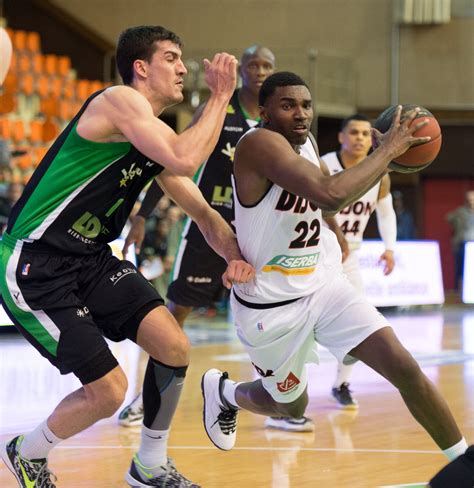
(81, 194)
(214, 176)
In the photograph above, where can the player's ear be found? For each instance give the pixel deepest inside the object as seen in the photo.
(263, 114)
(139, 67)
(339, 137)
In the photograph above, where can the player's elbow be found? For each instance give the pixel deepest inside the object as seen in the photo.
(184, 167)
(333, 199)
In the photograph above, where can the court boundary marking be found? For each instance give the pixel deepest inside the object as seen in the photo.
(256, 448)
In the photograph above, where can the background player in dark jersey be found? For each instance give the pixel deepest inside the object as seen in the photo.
(61, 285)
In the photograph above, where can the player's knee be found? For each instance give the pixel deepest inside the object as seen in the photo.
(406, 373)
(179, 350)
(108, 395)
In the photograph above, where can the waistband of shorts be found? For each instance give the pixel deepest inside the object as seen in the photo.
(262, 306)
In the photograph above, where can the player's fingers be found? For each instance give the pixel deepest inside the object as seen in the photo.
(419, 125)
(225, 281)
(206, 63)
(397, 115)
(410, 117)
(415, 141)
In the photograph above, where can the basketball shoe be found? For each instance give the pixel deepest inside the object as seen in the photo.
(29, 473)
(220, 418)
(303, 424)
(132, 414)
(139, 475)
(344, 398)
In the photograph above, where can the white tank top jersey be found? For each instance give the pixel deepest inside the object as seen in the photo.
(353, 219)
(282, 236)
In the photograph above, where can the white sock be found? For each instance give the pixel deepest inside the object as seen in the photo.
(229, 392)
(343, 374)
(153, 448)
(37, 444)
(454, 451)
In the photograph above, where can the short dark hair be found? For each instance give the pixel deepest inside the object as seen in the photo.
(139, 43)
(346, 121)
(282, 78)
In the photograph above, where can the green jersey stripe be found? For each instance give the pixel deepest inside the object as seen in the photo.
(77, 163)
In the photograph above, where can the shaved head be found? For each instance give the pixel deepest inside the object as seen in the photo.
(256, 51)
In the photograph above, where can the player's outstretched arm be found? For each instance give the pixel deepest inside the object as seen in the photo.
(387, 224)
(267, 156)
(214, 228)
(132, 115)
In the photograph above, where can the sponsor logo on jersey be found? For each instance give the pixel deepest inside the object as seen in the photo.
(229, 128)
(222, 196)
(290, 383)
(229, 151)
(292, 265)
(82, 312)
(25, 269)
(130, 174)
(115, 278)
(199, 279)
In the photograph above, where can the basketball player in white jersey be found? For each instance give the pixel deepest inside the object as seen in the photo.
(355, 140)
(300, 295)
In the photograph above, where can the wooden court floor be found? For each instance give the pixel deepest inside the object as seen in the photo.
(380, 445)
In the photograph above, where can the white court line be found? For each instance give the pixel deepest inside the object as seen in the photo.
(309, 449)
(413, 485)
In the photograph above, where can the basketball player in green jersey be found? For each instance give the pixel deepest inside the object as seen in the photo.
(59, 282)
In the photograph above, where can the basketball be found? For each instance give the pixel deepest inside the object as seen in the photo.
(422, 155)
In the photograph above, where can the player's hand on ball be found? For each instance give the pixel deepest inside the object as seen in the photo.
(238, 271)
(399, 138)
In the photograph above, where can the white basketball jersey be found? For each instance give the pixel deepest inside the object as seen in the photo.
(282, 236)
(353, 219)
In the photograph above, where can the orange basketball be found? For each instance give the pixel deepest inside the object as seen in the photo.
(422, 155)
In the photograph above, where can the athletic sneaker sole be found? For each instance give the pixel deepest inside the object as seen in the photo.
(6, 460)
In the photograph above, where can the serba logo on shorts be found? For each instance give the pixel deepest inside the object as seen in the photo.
(115, 278)
(290, 383)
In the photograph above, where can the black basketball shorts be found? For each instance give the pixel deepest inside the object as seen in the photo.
(64, 305)
(196, 279)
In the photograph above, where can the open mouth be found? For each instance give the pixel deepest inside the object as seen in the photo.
(300, 129)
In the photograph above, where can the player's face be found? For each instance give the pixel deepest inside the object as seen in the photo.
(289, 111)
(355, 139)
(165, 73)
(256, 69)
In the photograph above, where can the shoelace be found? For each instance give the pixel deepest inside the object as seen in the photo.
(44, 477)
(227, 420)
(172, 475)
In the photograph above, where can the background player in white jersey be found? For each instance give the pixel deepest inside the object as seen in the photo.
(355, 140)
(300, 295)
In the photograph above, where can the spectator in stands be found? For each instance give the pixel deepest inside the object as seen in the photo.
(462, 221)
(405, 224)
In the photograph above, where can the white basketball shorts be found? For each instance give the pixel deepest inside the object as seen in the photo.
(281, 340)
